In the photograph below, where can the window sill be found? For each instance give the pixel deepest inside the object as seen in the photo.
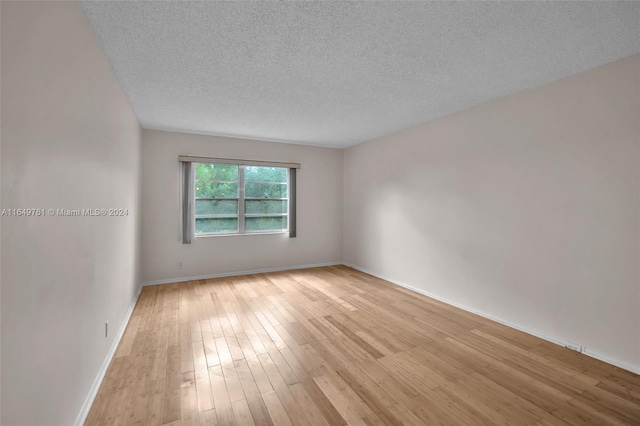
(243, 235)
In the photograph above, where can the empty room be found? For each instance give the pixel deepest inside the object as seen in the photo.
(320, 213)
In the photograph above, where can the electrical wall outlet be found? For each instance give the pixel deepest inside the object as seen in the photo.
(106, 329)
(180, 265)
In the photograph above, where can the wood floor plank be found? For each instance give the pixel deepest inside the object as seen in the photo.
(208, 418)
(232, 381)
(242, 413)
(334, 346)
(276, 410)
(339, 401)
(280, 387)
(311, 411)
(203, 383)
(171, 403)
(154, 411)
(189, 400)
(259, 376)
(254, 399)
(320, 399)
(221, 400)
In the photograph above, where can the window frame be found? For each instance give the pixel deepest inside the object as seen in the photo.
(188, 197)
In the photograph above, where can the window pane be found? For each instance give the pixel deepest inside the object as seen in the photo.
(216, 190)
(216, 207)
(265, 206)
(216, 225)
(265, 174)
(265, 223)
(225, 172)
(265, 190)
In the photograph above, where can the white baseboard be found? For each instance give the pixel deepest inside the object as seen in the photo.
(236, 273)
(557, 341)
(84, 411)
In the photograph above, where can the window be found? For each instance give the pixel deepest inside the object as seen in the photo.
(223, 196)
(240, 199)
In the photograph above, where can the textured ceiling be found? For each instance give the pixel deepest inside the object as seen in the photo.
(340, 73)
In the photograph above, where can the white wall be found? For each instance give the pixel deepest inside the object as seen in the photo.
(526, 209)
(69, 140)
(319, 209)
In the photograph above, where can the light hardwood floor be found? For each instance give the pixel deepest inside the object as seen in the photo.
(335, 346)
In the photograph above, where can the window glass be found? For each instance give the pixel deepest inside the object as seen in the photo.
(238, 199)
